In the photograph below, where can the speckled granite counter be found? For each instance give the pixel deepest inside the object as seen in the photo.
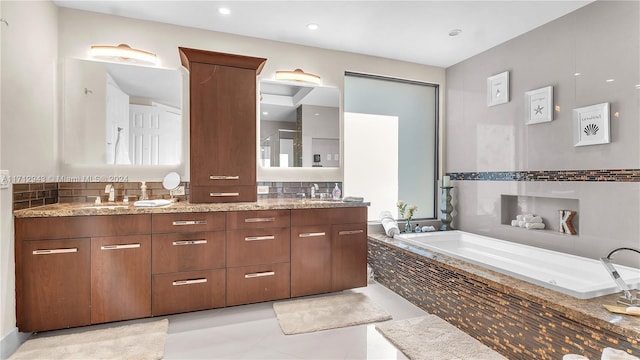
(556, 315)
(84, 209)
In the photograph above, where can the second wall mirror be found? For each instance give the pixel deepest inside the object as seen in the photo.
(299, 125)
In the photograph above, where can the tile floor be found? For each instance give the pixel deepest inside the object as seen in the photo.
(252, 332)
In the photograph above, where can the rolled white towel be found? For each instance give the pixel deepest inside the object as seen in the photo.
(514, 222)
(522, 223)
(532, 226)
(614, 354)
(520, 217)
(527, 218)
(574, 357)
(390, 226)
(534, 219)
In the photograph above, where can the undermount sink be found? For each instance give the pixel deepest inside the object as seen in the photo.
(106, 207)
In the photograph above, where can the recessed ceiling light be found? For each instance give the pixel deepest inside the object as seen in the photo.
(265, 113)
(224, 11)
(638, 86)
(313, 26)
(610, 80)
(455, 32)
(576, 74)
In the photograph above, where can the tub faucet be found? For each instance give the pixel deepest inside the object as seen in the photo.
(627, 298)
(111, 191)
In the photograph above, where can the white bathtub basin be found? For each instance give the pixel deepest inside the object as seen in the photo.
(576, 276)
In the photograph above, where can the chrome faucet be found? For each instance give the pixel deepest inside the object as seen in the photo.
(627, 298)
(111, 191)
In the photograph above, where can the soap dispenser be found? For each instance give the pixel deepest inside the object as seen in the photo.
(336, 192)
(143, 190)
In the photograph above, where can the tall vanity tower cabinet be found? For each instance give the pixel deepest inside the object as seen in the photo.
(222, 91)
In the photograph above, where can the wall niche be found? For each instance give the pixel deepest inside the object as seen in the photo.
(545, 207)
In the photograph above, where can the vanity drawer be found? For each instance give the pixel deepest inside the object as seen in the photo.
(350, 215)
(258, 246)
(223, 194)
(249, 284)
(187, 251)
(187, 222)
(81, 226)
(188, 291)
(258, 219)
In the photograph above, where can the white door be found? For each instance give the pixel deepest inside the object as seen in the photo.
(155, 135)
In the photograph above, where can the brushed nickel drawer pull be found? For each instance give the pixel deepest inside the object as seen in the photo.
(189, 282)
(259, 274)
(118, 247)
(189, 242)
(350, 232)
(224, 177)
(189, 222)
(255, 220)
(220, 194)
(303, 235)
(55, 251)
(258, 238)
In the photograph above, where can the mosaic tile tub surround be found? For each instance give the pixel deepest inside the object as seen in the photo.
(512, 317)
(616, 175)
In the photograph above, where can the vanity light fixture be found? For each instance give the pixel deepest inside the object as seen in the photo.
(297, 75)
(123, 51)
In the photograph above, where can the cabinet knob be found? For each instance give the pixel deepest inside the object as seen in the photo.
(224, 177)
(258, 238)
(220, 194)
(189, 282)
(119, 247)
(54, 251)
(303, 235)
(189, 242)
(189, 222)
(259, 274)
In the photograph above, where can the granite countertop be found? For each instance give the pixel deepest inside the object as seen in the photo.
(88, 209)
(589, 310)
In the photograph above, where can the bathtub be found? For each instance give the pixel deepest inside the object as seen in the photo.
(575, 276)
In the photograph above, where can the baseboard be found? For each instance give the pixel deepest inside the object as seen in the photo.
(11, 342)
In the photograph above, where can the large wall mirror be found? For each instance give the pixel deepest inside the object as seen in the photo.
(121, 114)
(299, 125)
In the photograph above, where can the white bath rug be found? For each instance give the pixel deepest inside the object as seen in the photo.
(143, 341)
(327, 312)
(429, 337)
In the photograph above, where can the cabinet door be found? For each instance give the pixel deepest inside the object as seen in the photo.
(188, 291)
(120, 278)
(56, 284)
(187, 251)
(349, 256)
(255, 283)
(310, 260)
(223, 125)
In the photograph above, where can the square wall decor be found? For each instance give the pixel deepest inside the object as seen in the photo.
(498, 89)
(591, 125)
(538, 105)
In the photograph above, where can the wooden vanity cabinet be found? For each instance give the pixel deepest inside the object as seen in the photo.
(188, 262)
(120, 278)
(329, 250)
(58, 271)
(258, 256)
(222, 90)
(61, 281)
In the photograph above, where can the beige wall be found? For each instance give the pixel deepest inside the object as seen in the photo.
(28, 118)
(79, 30)
(601, 41)
(41, 36)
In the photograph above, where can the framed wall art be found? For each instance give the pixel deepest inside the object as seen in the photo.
(538, 105)
(498, 89)
(591, 125)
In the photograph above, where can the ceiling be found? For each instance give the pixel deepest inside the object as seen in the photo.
(413, 31)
